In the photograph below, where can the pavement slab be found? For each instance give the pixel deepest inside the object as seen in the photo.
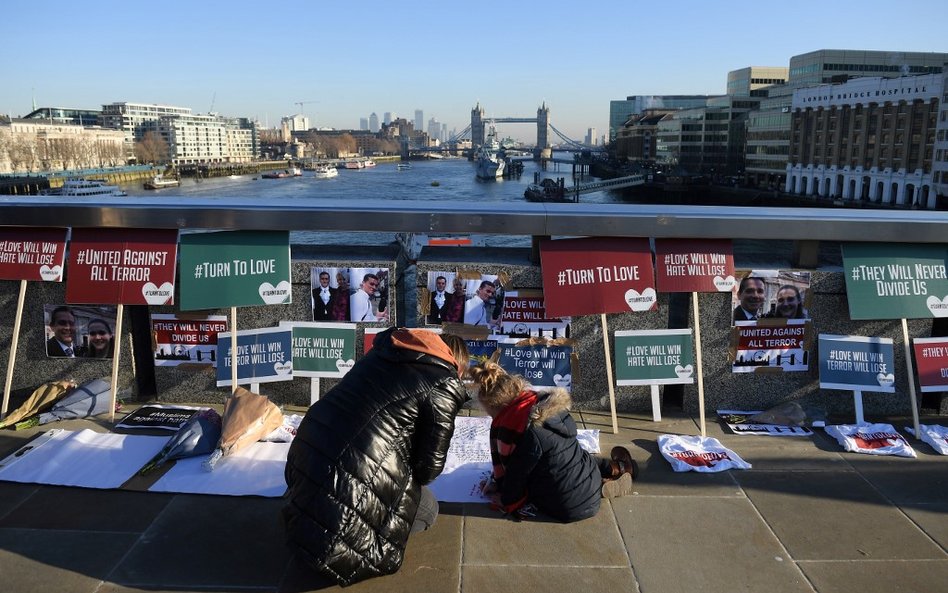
(918, 576)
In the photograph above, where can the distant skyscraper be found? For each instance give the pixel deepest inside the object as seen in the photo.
(373, 123)
(591, 136)
(363, 123)
(388, 117)
(419, 120)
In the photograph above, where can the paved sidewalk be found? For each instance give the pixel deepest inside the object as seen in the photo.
(808, 517)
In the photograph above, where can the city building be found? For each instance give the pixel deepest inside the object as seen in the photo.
(30, 145)
(387, 117)
(363, 123)
(591, 137)
(64, 115)
(637, 138)
(136, 119)
(755, 81)
(868, 139)
(621, 111)
(419, 119)
(940, 162)
(374, 126)
(706, 140)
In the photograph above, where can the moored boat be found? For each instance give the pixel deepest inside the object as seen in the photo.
(354, 165)
(161, 182)
(86, 187)
(325, 171)
(489, 162)
(403, 166)
(369, 163)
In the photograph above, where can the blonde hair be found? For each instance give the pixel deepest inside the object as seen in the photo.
(459, 350)
(497, 388)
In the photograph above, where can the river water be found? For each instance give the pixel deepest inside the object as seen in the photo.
(435, 180)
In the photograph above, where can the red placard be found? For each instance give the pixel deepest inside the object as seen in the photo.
(597, 275)
(122, 266)
(32, 253)
(694, 265)
(931, 359)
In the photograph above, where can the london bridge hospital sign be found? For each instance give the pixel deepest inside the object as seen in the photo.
(865, 90)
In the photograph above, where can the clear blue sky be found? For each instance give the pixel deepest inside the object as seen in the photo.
(258, 60)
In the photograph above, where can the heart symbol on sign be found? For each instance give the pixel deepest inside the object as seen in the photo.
(562, 380)
(51, 274)
(724, 284)
(157, 295)
(275, 295)
(684, 372)
(640, 301)
(283, 368)
(344, 366)
(938, 307)
(885, 380)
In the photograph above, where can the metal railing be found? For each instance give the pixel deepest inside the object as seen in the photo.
(498, 218)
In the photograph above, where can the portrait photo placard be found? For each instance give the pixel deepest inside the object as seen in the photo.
(769, 345)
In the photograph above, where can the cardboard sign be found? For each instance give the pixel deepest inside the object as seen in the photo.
(896, 280)
(542, 366)
(770, 345)
(525, 314)
(656, 357)
(322, 349)
(597, 275)
(856, 363)
(235, 269)
(32, 254)
(263, 356)
(694, 265)
(186, 340)
(122, 266)
(480, 351)
(931, 359)
(159, 416)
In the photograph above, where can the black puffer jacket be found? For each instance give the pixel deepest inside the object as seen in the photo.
(550, 467)
(361, 455)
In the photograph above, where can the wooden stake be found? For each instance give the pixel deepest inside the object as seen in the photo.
(911, 376)
(612, 389)
(116, 358)
(698, 365)
(13, 343)
(233, 349)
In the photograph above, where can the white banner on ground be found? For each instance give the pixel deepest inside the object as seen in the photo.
(872, 439)
(934, 435)
(698, 454)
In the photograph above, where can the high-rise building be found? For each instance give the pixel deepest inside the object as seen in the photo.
(591, 137)
(374, 123)
(419, 120)
(869, 139)
(621, 111)
(363, 123)
(706, 140)
(754, 81)
(388, 117)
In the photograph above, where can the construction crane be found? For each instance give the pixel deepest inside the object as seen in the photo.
(301, 103)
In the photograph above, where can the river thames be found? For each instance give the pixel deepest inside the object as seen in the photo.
(436, 180)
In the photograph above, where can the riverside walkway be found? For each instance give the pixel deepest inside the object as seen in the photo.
(807, 518)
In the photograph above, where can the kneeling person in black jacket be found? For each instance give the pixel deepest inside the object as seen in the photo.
(358, 465)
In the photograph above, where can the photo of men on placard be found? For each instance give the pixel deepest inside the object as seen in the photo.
(85, 331)
(771, 294)
(328, 290)
(442, 304)
(483, 301)
(368, 300)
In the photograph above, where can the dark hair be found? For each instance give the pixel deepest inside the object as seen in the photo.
(370, 275)
(744, 280)
(459, 349)
(58, 310)
(486, 283)
(798, 314)
(102, 321)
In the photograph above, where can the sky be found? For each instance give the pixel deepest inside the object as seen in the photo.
(344, 60)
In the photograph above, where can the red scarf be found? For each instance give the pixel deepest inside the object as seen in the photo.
(505, 432)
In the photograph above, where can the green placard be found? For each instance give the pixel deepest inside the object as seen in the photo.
(896, 280)
(322, 349)
(654, 357)
(235, 269)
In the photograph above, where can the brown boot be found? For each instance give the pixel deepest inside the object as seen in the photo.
(622, 460)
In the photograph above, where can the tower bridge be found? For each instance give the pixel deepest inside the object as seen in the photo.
(542, 120)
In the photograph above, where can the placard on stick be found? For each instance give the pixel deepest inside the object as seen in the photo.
(263, 355)
(857, 364)
(653, 358)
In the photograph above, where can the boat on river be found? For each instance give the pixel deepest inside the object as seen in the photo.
(161, 182)
(85, 187)
(325, 171)
(291, 172)
(354, 165)
(547, 190)
(403, 166)
(488, 158)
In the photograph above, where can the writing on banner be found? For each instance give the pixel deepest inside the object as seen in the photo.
(694, 265)
(524, 314)
(542, 366)
(597, 275)
(235, 269)
(32, 254)
(263, 356)
(186, 340)
(654, 357)
(856, 363)
(322, 349)
(896, 280)
(122, 266)
(931, 360)
(480, 351)
(770, 346)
